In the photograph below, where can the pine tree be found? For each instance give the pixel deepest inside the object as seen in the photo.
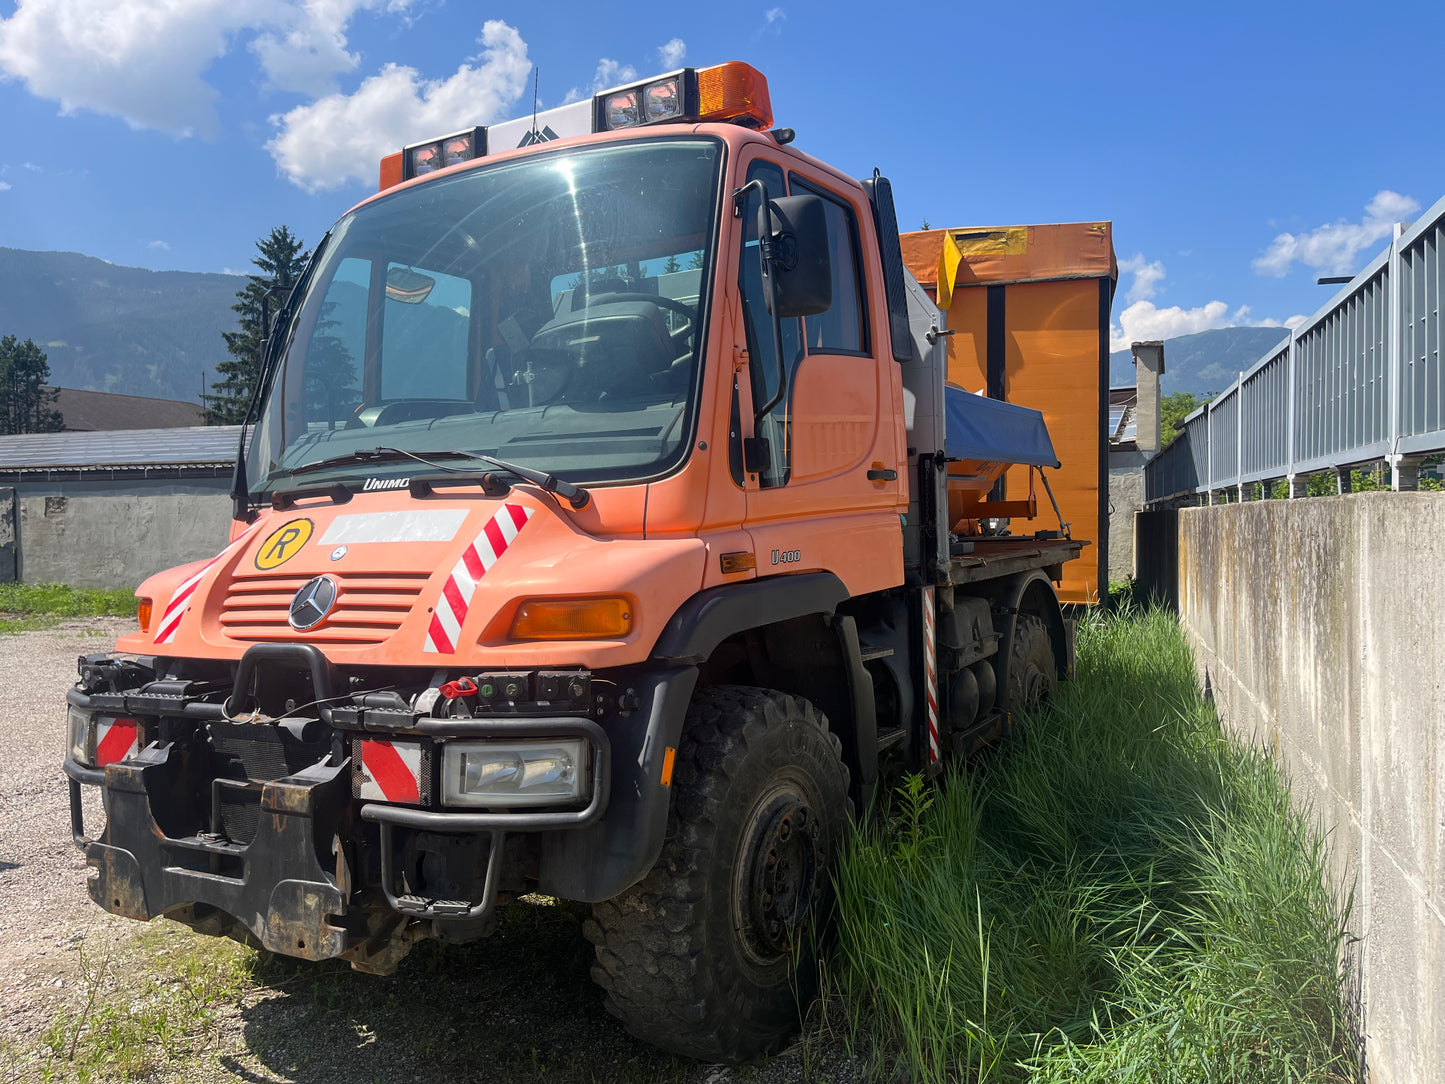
(281, 262)
(25, 402)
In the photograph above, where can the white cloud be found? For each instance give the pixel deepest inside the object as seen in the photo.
(774, 15)
(1332, 248)
(1147, 276)
(4, 187)
(141, 61)
(309, 48)
(672, 54)
(160, 245)
(1142, 320)
(611, 74)
(342, 137)
(144, 61)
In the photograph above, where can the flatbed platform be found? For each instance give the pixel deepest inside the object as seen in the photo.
(993, 557)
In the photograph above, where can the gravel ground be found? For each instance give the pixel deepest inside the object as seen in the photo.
(45, 912)
(517, 1007)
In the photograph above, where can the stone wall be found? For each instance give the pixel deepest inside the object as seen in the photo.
(116, 541)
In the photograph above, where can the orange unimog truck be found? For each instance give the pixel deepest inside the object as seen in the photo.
(603, 519)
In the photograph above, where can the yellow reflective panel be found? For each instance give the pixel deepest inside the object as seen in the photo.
(283, 544)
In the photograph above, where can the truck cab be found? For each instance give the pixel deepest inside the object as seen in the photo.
(591, 538)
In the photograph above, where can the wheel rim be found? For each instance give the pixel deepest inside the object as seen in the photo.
(777, 879)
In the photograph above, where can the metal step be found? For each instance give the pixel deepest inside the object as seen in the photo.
(890, 737)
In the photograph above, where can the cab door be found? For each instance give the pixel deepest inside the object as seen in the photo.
(823, 484)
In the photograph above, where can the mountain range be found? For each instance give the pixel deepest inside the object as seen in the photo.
(1205, 363)
(105, 327)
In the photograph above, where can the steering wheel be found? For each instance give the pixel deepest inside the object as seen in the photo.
(682, 334)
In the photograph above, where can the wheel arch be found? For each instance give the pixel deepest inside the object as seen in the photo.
(784, 633)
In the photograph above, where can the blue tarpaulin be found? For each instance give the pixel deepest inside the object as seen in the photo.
(989, 431)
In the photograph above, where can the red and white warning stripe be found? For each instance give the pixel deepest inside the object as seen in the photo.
(930, 673)
(115, 740)
(170, 620)
(390, 771)
(456, 597)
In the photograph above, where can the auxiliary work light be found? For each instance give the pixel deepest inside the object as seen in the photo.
(419, 159)
(734, 91)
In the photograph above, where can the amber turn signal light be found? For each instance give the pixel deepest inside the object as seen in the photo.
(741, 561)
(143, 614)
(572, 619)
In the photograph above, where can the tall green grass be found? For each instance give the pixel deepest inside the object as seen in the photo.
(1124, 895)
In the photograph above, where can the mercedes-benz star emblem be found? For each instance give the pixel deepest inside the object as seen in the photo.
(312, 603)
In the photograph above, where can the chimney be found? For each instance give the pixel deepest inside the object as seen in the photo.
(1148, 368)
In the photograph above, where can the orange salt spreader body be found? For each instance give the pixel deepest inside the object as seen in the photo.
(1029, 310)
(594, 536)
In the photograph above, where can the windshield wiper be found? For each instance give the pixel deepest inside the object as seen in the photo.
(361, 455)
(573, 494)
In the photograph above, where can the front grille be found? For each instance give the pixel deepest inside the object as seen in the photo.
(368, 608)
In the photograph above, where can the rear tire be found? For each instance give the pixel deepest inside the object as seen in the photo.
(698, 958)
(1032, 671)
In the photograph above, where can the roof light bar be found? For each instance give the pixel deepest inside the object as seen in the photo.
(419, 159)
(734, 92)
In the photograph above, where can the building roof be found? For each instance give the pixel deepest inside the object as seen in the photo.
(126, 449)
(90, 411)
(1123, 420)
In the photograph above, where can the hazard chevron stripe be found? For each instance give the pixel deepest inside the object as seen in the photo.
(455, 601)
(170, 619)
(115, 740)
(930, 669)
(391, 771)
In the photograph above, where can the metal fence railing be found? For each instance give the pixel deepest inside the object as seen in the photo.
(1362, 380)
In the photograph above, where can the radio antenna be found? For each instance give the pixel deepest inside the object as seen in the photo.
(536, 83)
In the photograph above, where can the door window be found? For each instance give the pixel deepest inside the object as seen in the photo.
(842, 329)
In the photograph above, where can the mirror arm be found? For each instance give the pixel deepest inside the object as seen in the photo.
(767, 254)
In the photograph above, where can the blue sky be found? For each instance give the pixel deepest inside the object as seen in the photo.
(1241, 150)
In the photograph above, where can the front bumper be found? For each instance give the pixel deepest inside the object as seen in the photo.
(304, 884)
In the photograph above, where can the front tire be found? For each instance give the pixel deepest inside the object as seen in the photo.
(699, 957)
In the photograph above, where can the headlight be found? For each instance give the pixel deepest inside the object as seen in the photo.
(79, 736)
(516, 773)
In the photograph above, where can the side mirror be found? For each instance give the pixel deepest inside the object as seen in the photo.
(797, 268)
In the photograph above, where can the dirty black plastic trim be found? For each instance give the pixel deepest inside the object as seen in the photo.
(711, 616)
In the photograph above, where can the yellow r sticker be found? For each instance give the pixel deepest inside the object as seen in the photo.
(284, 543)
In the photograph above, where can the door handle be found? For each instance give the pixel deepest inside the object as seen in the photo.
(888, 475)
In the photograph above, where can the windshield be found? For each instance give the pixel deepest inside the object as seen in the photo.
(546, 311)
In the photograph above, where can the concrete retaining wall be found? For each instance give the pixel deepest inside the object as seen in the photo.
(116, 541)
(1319, 627)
